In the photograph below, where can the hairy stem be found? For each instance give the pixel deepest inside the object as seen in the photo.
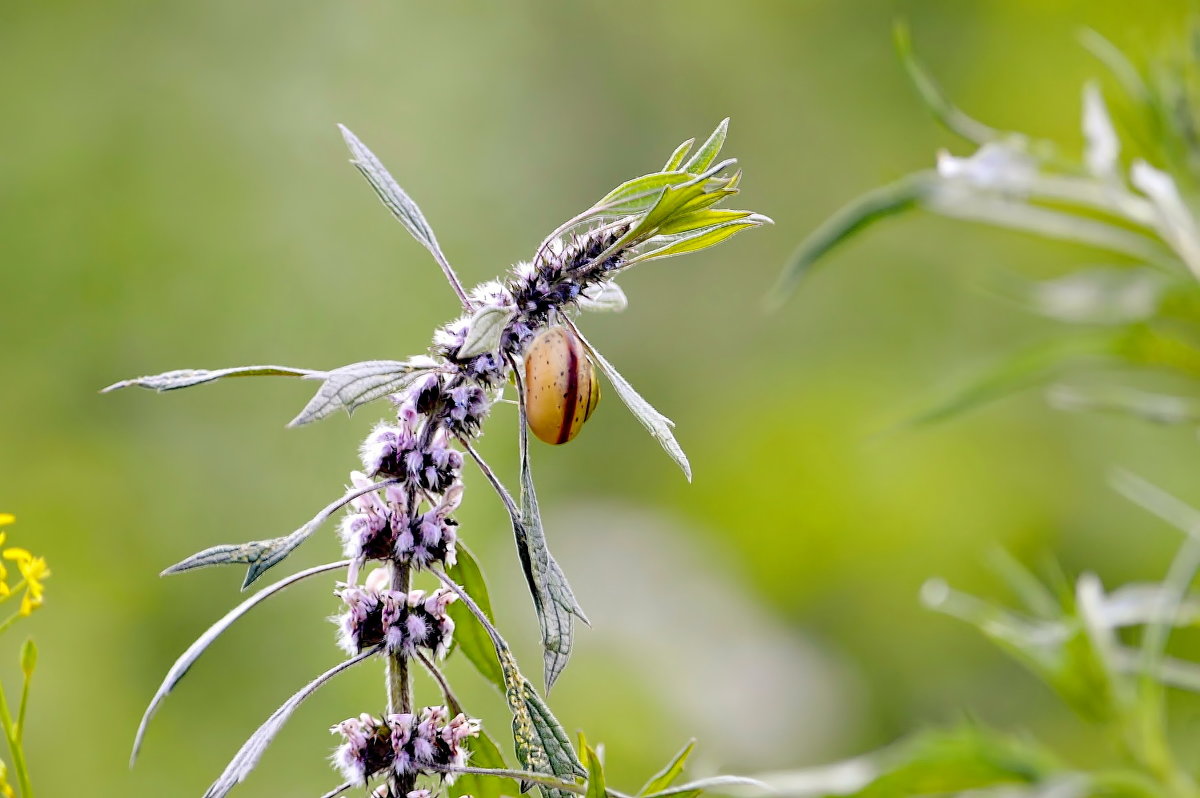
(399, 683)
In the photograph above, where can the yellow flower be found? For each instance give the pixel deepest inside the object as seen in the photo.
(5, 789)
(33, 571)
(7, 518)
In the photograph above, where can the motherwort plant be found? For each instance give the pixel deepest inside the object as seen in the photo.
(402, 503)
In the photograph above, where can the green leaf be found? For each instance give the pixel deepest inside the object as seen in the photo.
(701, 239)
(677, 157)
(553, 599)
(352, 386)
(1156, 408)
(931, 94)
(694, 788)
(867, 209)
(483, 753)
(29, 655)
(539, 740)
(483, 336)
(595, 775)
(709, 150)
(605, 297)
(186, 378)
(665, 777)
(640, 193)
(689, 220)
(390, 193)
(470, 636)
(655, 422)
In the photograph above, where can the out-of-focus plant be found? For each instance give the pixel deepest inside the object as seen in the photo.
(520, 332)
(1134, 202)
(1077, 639)
(32, 572)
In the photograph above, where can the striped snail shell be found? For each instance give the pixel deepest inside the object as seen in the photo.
(561, 388)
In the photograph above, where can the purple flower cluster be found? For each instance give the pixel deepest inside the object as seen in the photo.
(403, 622)
(403, 744)
(383, 528)
(412, 451)
(560, 275)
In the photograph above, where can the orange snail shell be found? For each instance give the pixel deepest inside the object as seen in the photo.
(561, 389)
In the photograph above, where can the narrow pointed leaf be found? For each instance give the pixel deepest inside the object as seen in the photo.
(349, 387)
(655, 423)
(902, 195)
(487, 325)
(390, 193)
(665, 777)
(689, 220)
(186, 378)
(252, 750)
(677, 157)
(711, 783)
(931, 94)
(262, 554)
(553, 599)
(181, 666)
(701, 239)
(595, 776)
(709, 150)
(470, 636)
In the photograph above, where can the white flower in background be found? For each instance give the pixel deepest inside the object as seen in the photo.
(994, 166)
(1101, 145)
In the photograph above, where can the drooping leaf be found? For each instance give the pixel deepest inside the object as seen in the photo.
(349, 387)
(186, 378)
(944, 111)
(263, 554)
(665, 777)
(181, 666)
(487, 326)
(470, 636)
(553, 599)
(390, 193)
(538, 738)
(655, 423)
(252, 750)
(902, 195)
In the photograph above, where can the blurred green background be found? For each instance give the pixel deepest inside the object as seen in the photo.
(174, 193)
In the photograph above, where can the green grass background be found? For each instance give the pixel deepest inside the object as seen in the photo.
(174, 193)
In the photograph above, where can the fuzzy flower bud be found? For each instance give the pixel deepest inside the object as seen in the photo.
(404, 743)
(367, 534)
(403, 622)
(466, 408)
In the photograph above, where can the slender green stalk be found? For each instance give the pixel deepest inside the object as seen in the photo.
(14, 747)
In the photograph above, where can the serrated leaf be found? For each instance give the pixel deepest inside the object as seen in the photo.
(247, 757)
(664, 778)
(708, 150)
(658, 425)
(606, 297)
(469, 633)
(185, 661)
(483, 335)
(902, 195)
(349, 387)
(186, 378)
(390, 193)
(482, 753)
(553, 599)
(263, 554)
(539, 740)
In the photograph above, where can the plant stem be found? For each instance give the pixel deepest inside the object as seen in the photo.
(14, 747)
(399, 685)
